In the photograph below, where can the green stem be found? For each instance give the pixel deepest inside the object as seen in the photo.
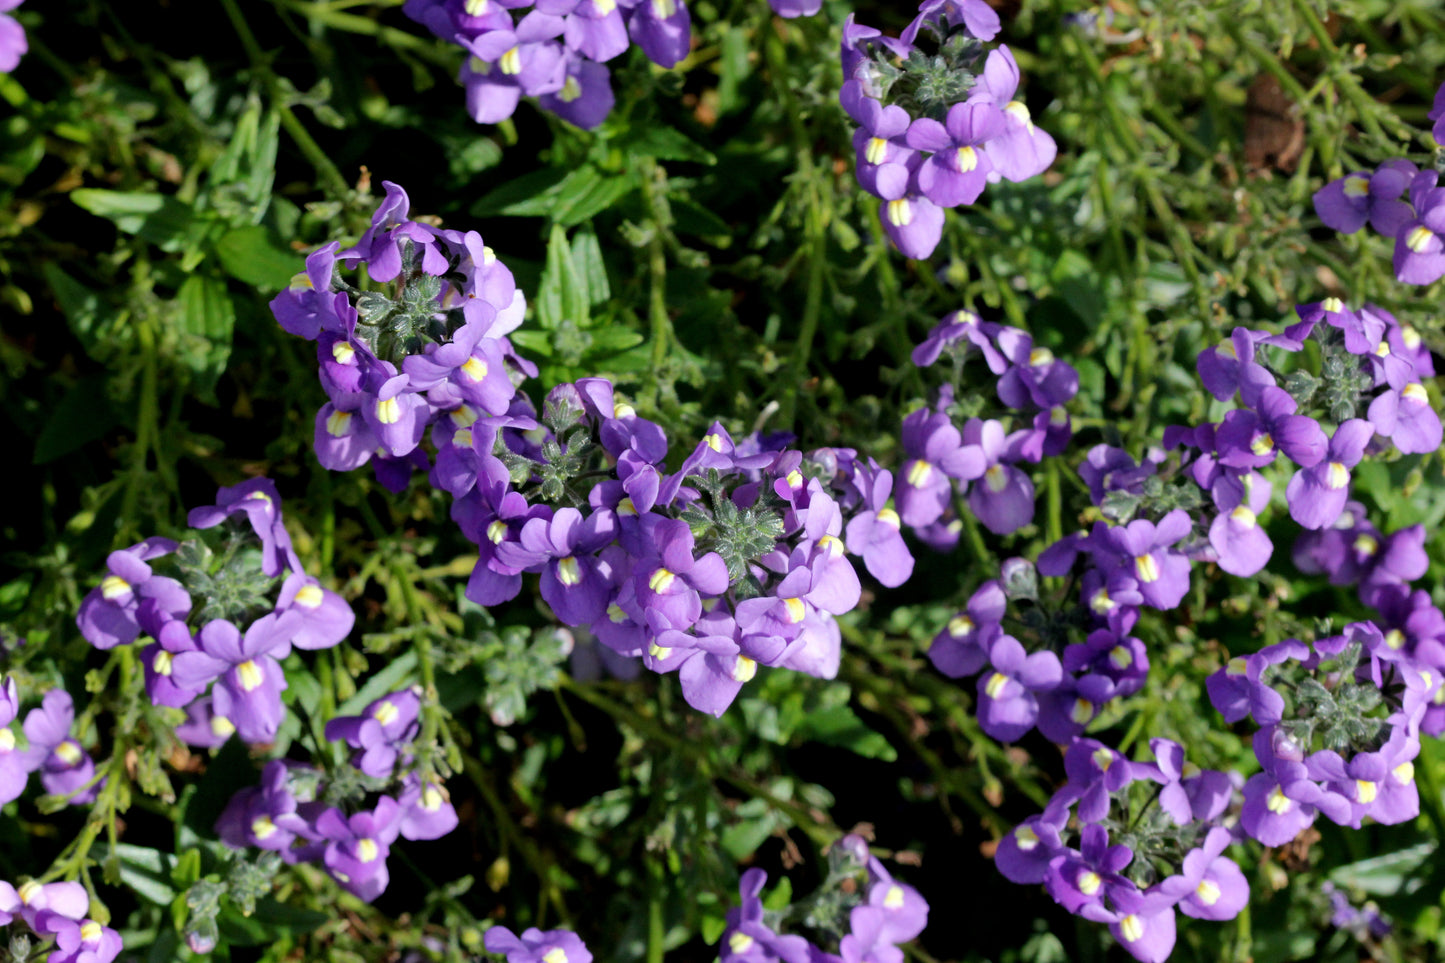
(330, 176)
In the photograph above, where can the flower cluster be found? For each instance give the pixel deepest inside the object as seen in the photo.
(881, 914)
(1401, 202)
(59, 912)
(933, 131)
(945, 450)
(555, 52)
(735, 560)
(1147, 841)
(348, 819)
(227, 679)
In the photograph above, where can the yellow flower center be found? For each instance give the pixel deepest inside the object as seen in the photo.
(1082, 712)
(995, 685)
(91, 932)
(1120, 657)
(1366, 544)
(960, 626)
(797, 611)
(342, 352)
(1404, 773)
(1131, 928)
(1414, 391)
(1025, 838)
(1333, 305)
(877, 150)
(1262, 444)
(310, 596)
(900, 213)
(555, 955)
(161, 664)
(1357, 187)
(475, 369)
(367, 850)
(967, 159)
(1040, 357)
(661, 580)
(1337, 476)
(744, 669)
(385, 712)
(1103, 758)
(250, 676)
(221, 727)
(1277, 802)
(740, 942)
(995, 478)
(570, 91)
(1419, 238)
(476, 8)
(1246, 518)
(7, 740)
(497, 532)
(464, 416)
(388, 412)
(893, 899)
(1089, 882)
(1366, 791)
(713, 441)
(338, 423)
(890, 518)
(262, 827)
(69, 752)
(919, 472)
(113, 587)
(511, 62)
(568, 571)
(1146, 568)
(463, 438)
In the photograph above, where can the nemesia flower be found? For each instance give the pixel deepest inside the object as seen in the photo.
(108, 613)
(259, 501)
(535, 946)
(66, 769)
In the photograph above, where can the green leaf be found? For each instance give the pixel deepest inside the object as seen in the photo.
(563, 294)
(159, 218)
(146, 871)
(537, 342)
(82, 416)
(697, 221)
(1385, 875)
(251, 255)
(207, 319)
(89, 315)
(666, 143)
(838, 726)
(612, 340)
(567, 198)
(587, 257)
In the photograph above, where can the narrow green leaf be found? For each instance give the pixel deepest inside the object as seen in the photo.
(90, 317)
(587, 256)
(207, 319)
(252, 256)
(159, 218)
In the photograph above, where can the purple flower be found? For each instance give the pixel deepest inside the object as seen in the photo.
(958, 170)
(1007, 697)
(571, 582)
(1218, 890)
(1251, 438)
(975, 16)
(83, 941)
(1317, 495)
(586, 96)
(1024, 855)
(937, 454)
(535, 946)
(1144, 561)
(1230, 367)
(662, 28)
(962, 647)
(1022, 150)
(263, 816)
(874, 533)
(107, 615)
(378, 735)
(882, 152)
(912, 222)
(1037, 379)
(259, 501)
(15, 764)
(65, 899)
(314, 617)
(747, 939)
(357, 848)
(251, 681)
(65, 767)
(13, 44)
(1003, 499)
(1406, 418)
(427, 811)
(1238, 540)
(1419, 249)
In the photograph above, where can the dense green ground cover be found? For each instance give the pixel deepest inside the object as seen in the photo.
(709, 251)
